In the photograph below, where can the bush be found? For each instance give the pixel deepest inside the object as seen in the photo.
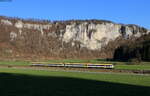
(134, 61)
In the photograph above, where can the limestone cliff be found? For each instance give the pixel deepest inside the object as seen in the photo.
(64, 39)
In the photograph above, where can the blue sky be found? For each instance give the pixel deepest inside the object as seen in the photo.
(120, 11)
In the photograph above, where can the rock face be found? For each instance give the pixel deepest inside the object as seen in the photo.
(92, 36)
(64, 38)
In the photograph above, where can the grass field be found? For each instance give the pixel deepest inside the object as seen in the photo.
(133, 67)
(15, 63)
(25, 82)
(118, 65)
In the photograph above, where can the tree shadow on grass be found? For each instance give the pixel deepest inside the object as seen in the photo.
(27, 85)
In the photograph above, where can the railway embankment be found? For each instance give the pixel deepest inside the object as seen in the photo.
(97, 70)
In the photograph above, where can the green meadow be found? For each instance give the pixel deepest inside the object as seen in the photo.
(27, 82)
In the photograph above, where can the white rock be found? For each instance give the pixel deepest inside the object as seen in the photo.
(6, 22)
(13, 36)
(19, 24)
(83, 34)
(138, 34)
(148, 31)
(53, 34)
(20, 31)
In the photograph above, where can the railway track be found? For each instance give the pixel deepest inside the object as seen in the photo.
(78, 69)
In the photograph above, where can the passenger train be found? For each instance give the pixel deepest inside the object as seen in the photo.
(73, 65)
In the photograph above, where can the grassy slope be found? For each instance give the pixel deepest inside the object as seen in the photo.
(17, 82)
(119, 78)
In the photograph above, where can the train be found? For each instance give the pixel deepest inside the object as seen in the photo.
(73, 65)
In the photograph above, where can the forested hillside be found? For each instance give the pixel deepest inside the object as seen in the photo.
(137, 50)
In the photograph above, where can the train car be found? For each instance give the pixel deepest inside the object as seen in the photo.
(55, 65)
(75, 65)
(41, 65)
(106, 66)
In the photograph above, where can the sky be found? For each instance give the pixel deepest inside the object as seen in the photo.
(119, 11)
